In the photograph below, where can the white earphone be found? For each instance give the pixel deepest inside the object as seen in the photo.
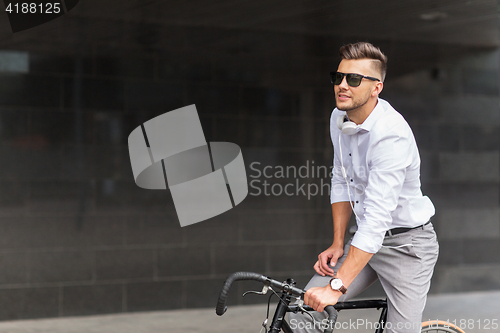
(349, 128)
(346, 126)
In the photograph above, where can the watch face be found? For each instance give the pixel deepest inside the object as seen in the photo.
(336, 284)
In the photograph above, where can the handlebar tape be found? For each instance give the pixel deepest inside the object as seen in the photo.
(332, 318)
(221, 302)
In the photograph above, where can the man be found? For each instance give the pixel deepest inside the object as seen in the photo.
(376, 175)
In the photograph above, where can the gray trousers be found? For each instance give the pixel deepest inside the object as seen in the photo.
(404, 266)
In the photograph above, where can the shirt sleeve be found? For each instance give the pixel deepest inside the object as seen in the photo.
(338, 189)
(388, 160)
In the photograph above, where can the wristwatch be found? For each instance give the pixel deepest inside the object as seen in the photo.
(338, 285)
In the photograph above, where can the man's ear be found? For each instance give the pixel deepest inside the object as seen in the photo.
(378, 88)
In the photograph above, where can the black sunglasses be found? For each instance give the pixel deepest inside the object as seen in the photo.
(353, 80)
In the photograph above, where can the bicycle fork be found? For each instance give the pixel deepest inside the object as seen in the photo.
(382, 321)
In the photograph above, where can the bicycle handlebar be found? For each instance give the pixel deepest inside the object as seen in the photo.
(221, 302)
(283, 286)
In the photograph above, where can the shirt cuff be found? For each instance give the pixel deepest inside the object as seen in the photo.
(339, 193)
(369, 243)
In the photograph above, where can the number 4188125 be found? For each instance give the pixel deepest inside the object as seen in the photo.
(33, 8)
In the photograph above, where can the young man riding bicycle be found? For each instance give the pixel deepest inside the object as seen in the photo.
(377, 175)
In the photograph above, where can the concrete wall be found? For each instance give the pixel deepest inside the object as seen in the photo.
(78, 237)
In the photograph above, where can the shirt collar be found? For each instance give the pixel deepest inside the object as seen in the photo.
(372, 118)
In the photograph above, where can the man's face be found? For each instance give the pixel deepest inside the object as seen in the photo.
(350, 98)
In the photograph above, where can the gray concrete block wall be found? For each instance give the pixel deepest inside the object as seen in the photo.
(478, 167)
(467, 175)
(78, 237)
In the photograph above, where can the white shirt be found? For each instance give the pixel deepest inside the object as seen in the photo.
(382, 166)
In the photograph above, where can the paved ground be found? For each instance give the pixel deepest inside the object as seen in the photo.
(480, 311)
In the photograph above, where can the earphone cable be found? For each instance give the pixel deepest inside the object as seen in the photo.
(344, 174)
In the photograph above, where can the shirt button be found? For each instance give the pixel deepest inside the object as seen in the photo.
(349, 154)
(357, 201)
(351, 180)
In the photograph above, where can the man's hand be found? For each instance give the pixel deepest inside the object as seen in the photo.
(319, 298)
(330, 255)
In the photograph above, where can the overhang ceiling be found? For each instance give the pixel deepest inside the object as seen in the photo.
(98, 22)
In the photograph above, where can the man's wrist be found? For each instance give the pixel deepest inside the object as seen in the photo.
(338, 244)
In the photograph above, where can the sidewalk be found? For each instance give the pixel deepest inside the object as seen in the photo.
(478, 309)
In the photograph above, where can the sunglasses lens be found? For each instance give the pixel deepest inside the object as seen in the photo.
(354, 80)
(337, 78)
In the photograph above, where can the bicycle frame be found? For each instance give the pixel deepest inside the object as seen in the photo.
(361, 304)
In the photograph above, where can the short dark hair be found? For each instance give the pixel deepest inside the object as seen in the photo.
(364, 50)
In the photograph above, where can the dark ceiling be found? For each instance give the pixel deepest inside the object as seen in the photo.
(93, 23)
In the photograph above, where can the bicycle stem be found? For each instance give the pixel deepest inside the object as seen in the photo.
(279, 315)
(287, 287)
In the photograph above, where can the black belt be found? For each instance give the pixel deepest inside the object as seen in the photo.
(396, 231)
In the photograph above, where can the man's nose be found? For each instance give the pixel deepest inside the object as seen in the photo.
(343, 84)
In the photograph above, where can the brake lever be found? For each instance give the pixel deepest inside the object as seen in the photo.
(300, 306)
(263, 292)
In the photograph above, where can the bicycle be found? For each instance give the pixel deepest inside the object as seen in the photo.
(289, 291)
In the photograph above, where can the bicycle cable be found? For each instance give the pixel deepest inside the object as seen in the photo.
(268, 305)
(264, 324)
